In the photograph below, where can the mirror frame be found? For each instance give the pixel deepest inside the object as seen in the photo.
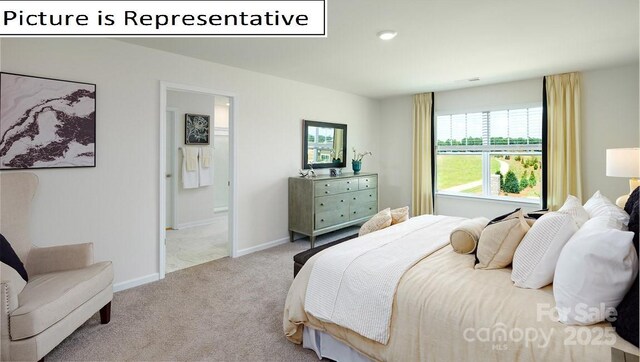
(305, 144)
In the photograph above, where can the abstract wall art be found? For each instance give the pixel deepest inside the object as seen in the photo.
(196, 127)
(46, 123)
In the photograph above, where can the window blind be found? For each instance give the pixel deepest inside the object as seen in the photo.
(502, 131)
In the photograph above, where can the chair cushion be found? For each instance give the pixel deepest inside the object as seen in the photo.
(48, 298)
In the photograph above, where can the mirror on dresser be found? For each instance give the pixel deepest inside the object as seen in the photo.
(324, 145)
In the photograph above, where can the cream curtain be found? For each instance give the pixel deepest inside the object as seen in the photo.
(563, 138)
(422, 186)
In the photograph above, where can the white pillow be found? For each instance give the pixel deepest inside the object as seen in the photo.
(535, 259)
(604, 222)
(572, 206)
(595, 270)
(599, 205)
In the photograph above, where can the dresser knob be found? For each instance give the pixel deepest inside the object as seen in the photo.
(366, 185)
(370, 208)
(327, 185)
(321, 220)
(354, 212)
(354, 198)
(366, 179)
(341, 215)
(326, 192)
(348, 188)
(341, 200)
(348, 182)
(321, 204)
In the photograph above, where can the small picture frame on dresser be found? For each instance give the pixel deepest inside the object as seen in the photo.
(333, 172)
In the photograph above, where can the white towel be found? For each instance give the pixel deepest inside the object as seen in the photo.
(191, 157)
(205, 172)
(189, 178)
(206, 156)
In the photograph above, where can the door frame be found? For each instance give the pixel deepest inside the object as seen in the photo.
(162, 184)
(174, 169)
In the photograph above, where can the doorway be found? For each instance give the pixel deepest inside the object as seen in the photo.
(197, 214)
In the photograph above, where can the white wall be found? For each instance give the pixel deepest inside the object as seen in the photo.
(193, 206)
(115, 205)
(489, 97)
(610, 119)
(395, 159)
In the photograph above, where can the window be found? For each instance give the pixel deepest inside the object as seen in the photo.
(492, 154)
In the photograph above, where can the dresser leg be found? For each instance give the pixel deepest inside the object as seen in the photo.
(313, 241)
(291, 236)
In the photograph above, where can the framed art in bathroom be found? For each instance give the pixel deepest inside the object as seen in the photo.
(196, 129)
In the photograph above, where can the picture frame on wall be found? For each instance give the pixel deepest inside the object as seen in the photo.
(197, 129)
(46, 123)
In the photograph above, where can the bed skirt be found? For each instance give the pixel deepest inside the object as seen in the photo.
(324, 345)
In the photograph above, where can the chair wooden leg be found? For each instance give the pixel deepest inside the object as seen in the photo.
(105, 313)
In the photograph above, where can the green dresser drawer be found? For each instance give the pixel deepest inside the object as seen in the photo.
(363, 196)
(333, 217)
(329, 187)
(350, 184)
(360, 210)
(369, 182)
(331, 202)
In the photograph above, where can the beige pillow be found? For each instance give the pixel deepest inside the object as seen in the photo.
(399, 215)
(379, 221)
(464, 238)
(498, 241)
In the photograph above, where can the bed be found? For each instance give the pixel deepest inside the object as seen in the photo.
(445, 310)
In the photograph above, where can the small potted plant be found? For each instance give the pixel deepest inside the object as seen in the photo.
(356, 162)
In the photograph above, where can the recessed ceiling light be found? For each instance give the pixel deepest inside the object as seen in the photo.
(387, 34)
(227, 103)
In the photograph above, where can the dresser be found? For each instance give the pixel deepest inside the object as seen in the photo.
(323, 204)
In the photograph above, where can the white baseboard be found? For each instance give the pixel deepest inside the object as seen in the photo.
(192, 224)
(136, 282)
(267, 245)
(221, 209)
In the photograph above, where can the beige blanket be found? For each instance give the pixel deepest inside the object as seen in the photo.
(445, 310)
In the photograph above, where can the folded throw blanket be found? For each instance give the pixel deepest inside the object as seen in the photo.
(353, 284)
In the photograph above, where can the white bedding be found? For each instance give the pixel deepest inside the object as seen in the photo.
(353, 284)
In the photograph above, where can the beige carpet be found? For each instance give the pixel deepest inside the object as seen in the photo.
(224, 310)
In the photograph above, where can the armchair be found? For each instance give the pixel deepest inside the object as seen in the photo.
(65, 286)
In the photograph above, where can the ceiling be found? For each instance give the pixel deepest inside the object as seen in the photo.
(440, 44)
